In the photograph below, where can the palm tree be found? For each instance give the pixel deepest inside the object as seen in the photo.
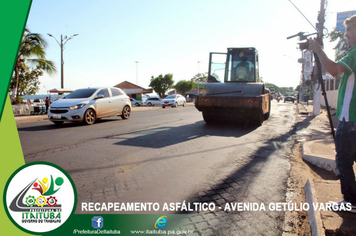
(31, 52)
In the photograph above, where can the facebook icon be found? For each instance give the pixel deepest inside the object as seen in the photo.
(97, 222)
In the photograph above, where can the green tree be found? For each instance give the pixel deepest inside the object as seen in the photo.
(341, 47)
(276, 88)
(184, 86)
(30, 63)
(162, 83)
(282, 90)
(200, 77)
(286, 90)
(29, 80)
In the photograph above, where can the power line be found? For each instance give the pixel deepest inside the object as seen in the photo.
(303, 15)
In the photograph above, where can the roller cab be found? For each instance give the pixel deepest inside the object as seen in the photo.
(234, 91)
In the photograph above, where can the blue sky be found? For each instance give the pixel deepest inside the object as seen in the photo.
(171, 36)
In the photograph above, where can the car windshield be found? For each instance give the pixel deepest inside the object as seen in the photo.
(171, 97)
(81, 93)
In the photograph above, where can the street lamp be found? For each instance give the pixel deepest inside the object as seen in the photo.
(61, 44)
(198, 77)
(137, 72)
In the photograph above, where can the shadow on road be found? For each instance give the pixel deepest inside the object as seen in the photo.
(166, 136)
(51, 126)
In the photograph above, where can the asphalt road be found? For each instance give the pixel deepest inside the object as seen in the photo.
(171, 156)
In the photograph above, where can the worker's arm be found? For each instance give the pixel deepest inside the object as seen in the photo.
(330, 66)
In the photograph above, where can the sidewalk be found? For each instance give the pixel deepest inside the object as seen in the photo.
(319, 150)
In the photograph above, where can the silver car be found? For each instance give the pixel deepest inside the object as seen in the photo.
(135, 102)
(174, 100)
(153, 101)
(88, 104)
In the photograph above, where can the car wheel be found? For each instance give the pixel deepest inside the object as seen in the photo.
(126, 112)
(183, 104)
(163, 107)
(137, 104)
(176, 105)
(89, 117)
(58, 122)
(149, 104)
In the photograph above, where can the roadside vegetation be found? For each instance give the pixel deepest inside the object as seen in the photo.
(31, 63)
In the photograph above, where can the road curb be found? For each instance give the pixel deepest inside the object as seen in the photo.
(30, 118)
(321, 158)
(305, 110)
(316, 224)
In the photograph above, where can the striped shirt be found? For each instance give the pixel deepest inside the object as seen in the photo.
(346, 101)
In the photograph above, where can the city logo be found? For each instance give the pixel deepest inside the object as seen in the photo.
(161, 222)
(97, 222)
(39, 197)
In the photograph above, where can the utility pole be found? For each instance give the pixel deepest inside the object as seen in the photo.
(321, 21)
(320, 28)
(62, 63)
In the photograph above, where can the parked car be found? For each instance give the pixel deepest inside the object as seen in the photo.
(144, 98)
(190, 97)
(153, 101)
(174, 100)
(289, 98)
(37, 107)
(38, 102)
(27, 101)
(88, 104)
(135, 102)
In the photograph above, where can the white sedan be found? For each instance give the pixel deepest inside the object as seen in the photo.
(88, 104)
